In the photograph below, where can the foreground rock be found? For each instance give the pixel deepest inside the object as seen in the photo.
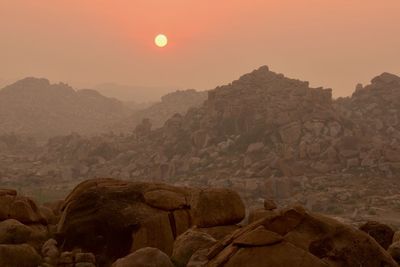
(14, 232)
(19, 256)
(145, 257)
(23, 230)
(382, 233)
(295, 238)
(23, 209)
(187, 244)
(112, 218)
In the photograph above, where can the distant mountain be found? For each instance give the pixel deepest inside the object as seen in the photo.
(35, 107)
(136, 94)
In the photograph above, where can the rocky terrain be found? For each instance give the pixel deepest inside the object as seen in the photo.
(159, 112)
(108, 222)
(264, 135)
(35, 108)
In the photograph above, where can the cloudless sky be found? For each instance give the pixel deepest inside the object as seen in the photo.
(331, 43)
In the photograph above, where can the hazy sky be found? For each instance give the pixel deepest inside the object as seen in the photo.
(331, 43)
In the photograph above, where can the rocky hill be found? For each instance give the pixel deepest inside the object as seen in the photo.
(37, 108)
(375, 108)
(159, 112)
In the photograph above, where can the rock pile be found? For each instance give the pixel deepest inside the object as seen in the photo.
(23, 229)
(111, 218)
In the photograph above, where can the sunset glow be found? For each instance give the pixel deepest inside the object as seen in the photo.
(115, 41)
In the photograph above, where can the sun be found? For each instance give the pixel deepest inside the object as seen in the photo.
(161, 40)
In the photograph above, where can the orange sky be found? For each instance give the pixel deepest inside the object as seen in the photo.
(331, 43)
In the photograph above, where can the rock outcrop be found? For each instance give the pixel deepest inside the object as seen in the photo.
(111, 218)
(295, 237)
(23, 230)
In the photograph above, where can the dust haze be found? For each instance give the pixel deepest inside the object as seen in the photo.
(263, 134)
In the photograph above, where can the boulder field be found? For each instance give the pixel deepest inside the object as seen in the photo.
(109, 222)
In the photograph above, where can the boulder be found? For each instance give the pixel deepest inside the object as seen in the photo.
(290, 133)
(396, 237)
(14, 232)
(283, 254)
(269, 204)
(145, 257)
(165, 200)
(49, 215)
(20, 208)
(394, 251)
(187, 244)
(85, 258)
(50, 251)
(213, 207)
(154, 232)
(19, 256)
(294, 237)
(113, 218)
(382, 233)
(255, 147)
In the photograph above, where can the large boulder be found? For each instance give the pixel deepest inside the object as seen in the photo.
(145, 257)
(112, 218)
(213, 207)
(294, 237)
(19, 256)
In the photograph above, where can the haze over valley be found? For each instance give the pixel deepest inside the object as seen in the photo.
(199, 133)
